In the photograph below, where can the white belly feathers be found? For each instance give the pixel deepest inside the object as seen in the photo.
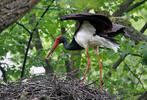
(85, 34)
(85, 38)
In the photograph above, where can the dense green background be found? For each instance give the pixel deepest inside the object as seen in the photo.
(127, 81)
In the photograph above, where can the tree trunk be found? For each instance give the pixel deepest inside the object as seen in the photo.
(12, 10)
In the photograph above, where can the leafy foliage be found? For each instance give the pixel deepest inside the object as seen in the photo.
(127, 81)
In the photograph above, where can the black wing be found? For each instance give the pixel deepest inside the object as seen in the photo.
(100, 22)
(116, 29)
(104, 27)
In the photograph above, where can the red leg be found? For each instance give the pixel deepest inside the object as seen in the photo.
(86, 68)
(100, 66)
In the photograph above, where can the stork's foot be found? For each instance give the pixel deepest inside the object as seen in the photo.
(101, 89)
(81, 83)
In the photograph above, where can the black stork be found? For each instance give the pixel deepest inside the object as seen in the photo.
(93, 30)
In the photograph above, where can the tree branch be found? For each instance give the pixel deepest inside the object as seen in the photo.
(23, 27)
(122, 57)
(143, 28)
(139, 80)
(125, 7)
(135, 55)
(135, 5)
(132, 33)
(3, 74)
(135, 35)
(31, 36)
(12, 10)
(122, 7)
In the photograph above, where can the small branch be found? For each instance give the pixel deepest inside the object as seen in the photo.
(135, 5)
(135, 55)
(31, 36)
(23, 27)
(3, 74)
(91, 83)
(122, 7)
(125, 7)
(139, 80)
(143, 28)
(122, 57)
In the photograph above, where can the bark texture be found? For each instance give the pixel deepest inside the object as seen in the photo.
(12, 10)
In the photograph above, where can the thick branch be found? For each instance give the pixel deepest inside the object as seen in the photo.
(12, 10)
(143, 28)
(135, 35)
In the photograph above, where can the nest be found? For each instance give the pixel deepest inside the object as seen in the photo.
(47, 89)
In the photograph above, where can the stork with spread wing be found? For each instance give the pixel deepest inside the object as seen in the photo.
(93, 30)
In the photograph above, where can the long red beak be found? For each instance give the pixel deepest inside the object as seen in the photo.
(53, 48)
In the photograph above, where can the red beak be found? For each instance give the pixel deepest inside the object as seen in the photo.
(53, 48)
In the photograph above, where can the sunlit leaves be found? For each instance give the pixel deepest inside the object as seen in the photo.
(85, 4)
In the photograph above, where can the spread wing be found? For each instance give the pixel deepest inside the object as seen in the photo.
(100, 22)
(104, 27)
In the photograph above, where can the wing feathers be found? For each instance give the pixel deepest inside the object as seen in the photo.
(104, 27)
(116, 29)
(100, 20)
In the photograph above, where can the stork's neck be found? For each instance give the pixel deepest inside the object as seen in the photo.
(72, 46)
(66, 44)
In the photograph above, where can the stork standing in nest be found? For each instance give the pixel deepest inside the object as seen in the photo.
(93, 30)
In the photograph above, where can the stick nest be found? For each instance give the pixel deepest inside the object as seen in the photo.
(50, 89)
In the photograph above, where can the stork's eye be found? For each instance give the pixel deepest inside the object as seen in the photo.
(58, 38)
